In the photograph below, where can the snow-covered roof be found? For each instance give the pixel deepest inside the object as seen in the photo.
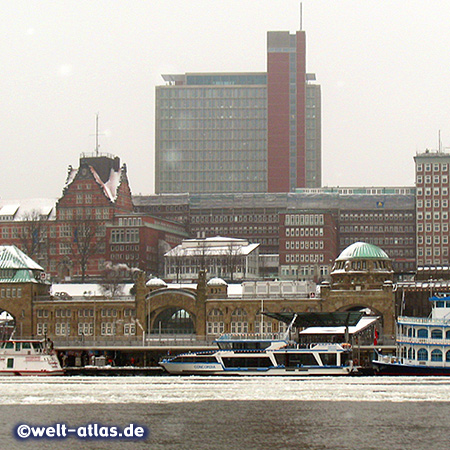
(217, 282)
(214, 246)
(110, 188)
(26, 209)
(13, 258)
(156, 282)
(85, 289)
(364, 322)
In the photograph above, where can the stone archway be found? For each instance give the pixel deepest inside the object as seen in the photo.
(174, 311)
(173, 320)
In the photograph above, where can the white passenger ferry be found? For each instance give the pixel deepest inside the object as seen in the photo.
(28, 357)
(245, 355)
(423, 344)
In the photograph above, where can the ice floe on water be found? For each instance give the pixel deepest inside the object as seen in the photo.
(165, 389)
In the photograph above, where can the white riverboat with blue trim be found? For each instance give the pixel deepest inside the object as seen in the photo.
(423, 344)
(252, 355)
(28, 357)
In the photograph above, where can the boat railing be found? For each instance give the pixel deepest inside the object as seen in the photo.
(251, 336)
(424, 320)
(425, 341)
(163, 340)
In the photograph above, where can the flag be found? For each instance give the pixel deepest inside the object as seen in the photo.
(375, 339)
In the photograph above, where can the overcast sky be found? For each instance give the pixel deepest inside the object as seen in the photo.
(384, 68)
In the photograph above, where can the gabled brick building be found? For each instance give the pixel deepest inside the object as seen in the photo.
(91, 224)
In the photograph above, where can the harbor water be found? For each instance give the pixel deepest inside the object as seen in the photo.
(201, 413)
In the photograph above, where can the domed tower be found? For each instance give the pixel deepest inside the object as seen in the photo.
(217, 288)
(155, 283)
(362, 277)
(362, 266)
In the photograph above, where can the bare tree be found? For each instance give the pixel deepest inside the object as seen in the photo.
(33, 234)
(233, 258)
(114, 277)
(89, 239)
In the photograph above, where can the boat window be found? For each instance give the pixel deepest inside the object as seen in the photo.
(300, 359)
(447, 356)
(9, 345)
(422, 333)
(37, 345)
(10, 363)
(409, 353)
(436, 355)
(225, 345)
(247, 362)
(436, 334)
(422, 355)
(26, 344)
(440, 304)
(447, 334)
(196, 359)
(17, 346)
(328, 359)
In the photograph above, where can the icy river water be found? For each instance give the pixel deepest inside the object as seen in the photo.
(199, 413)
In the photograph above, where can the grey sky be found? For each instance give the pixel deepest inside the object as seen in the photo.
(383, 66)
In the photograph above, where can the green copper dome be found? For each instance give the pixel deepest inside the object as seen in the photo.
(362, 250)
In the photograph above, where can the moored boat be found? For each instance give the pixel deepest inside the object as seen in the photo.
(423, 344)
(263, 355)
(28, 357)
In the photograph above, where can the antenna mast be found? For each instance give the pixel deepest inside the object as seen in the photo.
(301, 16)
(96, 135)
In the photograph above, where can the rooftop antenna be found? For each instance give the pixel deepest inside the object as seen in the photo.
(97, 134)
(301, 16)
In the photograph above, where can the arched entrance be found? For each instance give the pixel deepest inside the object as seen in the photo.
(173, 321)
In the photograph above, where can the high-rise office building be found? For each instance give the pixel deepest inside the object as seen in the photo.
(432, 204)
(241, 132)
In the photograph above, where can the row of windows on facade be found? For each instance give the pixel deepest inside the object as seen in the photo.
(437, 167)
(224, 135)
(304, 245)
(316, 257)
(14, 232)
(85, 329)
(213, 158)
(435, 203)
(128, 235)
(428, 252)
(379, 241)
(305, 271)
(195, 150)
(381, 216)
(432, 191)
(87, 312)
(428, 179)
(428, 215)
(230, 218)
(377, 228)
(432, 240)
(304, 219)
(429, 227)
(83, 213)
(217, 174)
(241, 111)
(213, 187)
(222, 122)
(208, 92)
(11, 292)
(304, 232)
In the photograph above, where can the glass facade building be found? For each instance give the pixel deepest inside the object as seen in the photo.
(249, 132)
